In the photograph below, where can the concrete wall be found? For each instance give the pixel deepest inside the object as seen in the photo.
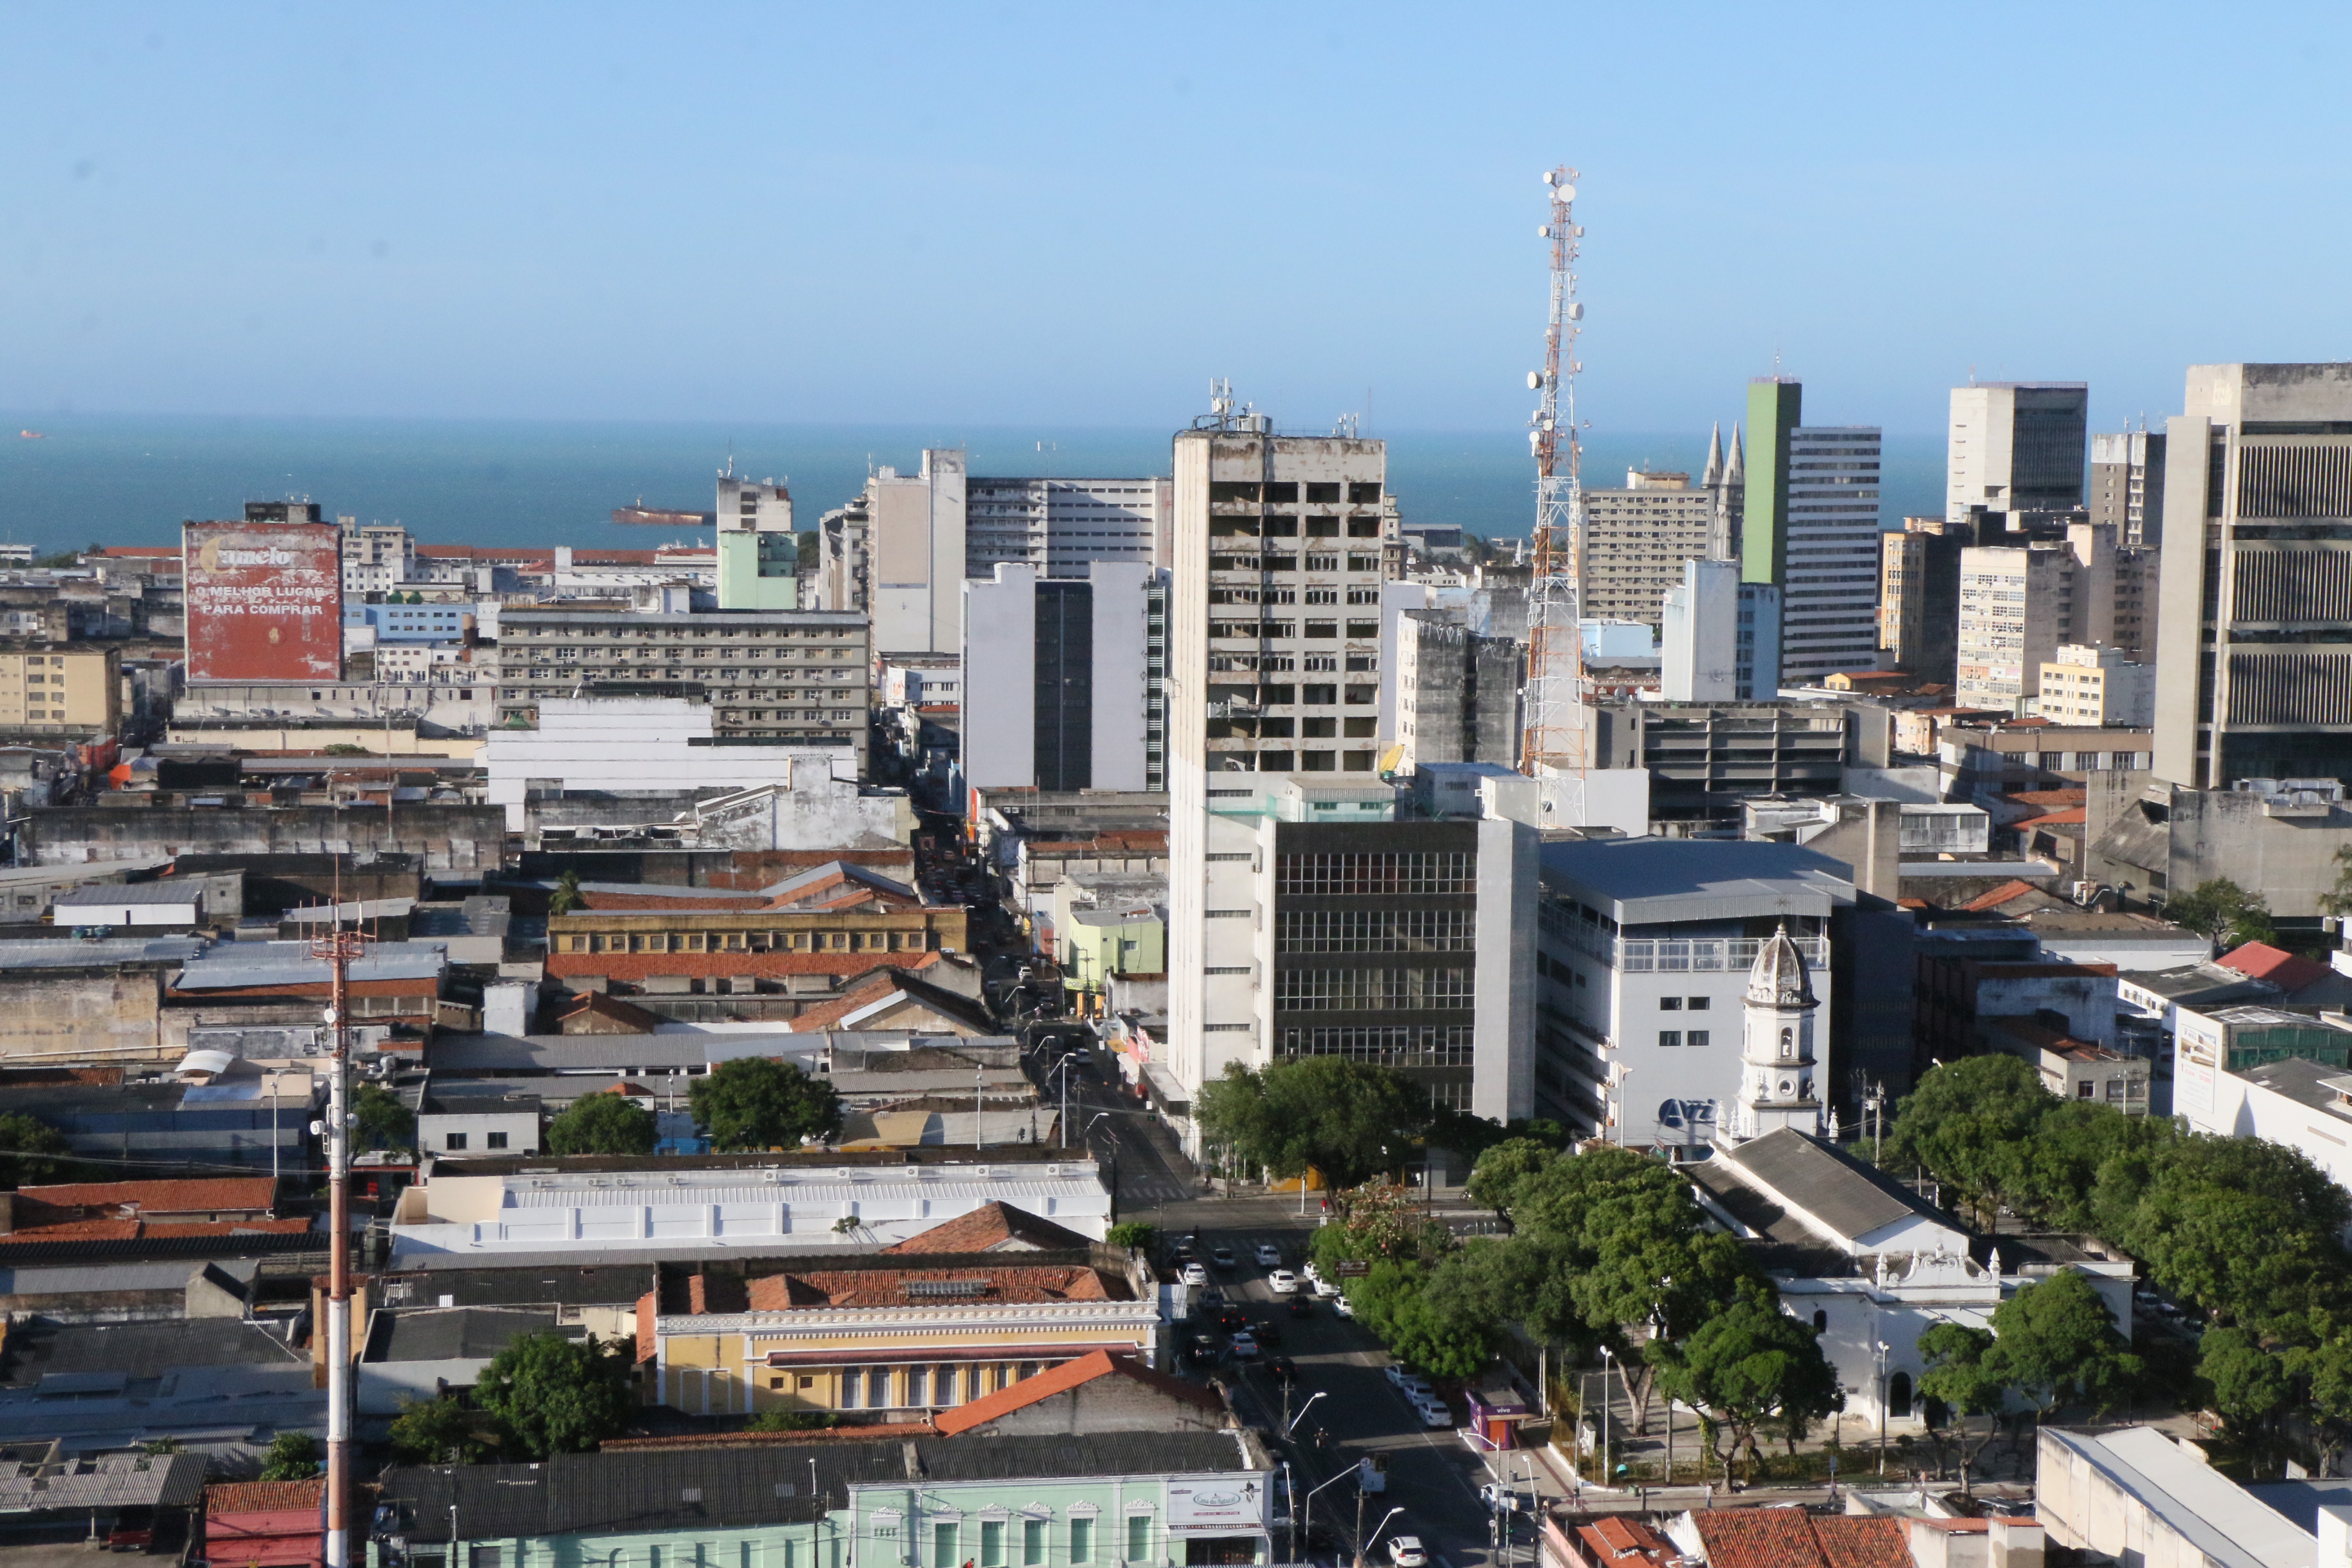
(1503, 1042)
(1121, 590)
(101, 1011)
(1106, 1404)
(999, 699)
(443, 838)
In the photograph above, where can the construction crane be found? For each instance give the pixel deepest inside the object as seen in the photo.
(1556, 733)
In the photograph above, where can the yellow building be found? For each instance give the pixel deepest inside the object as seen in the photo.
(949, 1316)
(61, 687)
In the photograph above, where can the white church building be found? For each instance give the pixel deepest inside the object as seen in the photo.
(1868, 1262)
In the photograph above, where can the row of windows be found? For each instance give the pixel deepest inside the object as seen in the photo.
(1254, 629)
(1360, 492)
(512, 627)
(1290, 563)
(1424, 1046)
(1374, 931)
(1372, 989)
(1278, 526)
(1411, 872)
(743, 942)
(1286, 762)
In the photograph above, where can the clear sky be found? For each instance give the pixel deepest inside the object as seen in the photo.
(1001, 212)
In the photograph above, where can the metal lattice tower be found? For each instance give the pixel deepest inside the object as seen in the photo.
(1556, 731)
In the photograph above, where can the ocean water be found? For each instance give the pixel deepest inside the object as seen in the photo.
(132, 479)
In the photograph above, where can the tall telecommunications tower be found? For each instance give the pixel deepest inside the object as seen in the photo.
(1556, 733)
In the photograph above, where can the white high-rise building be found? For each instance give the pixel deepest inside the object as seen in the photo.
(2015, 446)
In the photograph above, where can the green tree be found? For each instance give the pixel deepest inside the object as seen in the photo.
(29, 1149)
(756, 1102)
(2221, 911)
(1494, 1181)
(1748, 1364)
(1134, 1234)
(442, 1432)
(1972, 1122)
(2251, 1387)
(1378, 1219)
(1348, 1120)
(567, 896)
(601, 1124)
(2055, 1343)
(554, 1395)
(1391, 1300)
(292, 1457)
(384, 1121)
(1957, 1378)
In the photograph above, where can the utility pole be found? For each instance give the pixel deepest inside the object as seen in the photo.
(339, 947)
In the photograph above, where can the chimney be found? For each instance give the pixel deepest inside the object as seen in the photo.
(2018, 1542)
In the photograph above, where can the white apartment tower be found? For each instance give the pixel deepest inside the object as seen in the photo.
(1272, 682)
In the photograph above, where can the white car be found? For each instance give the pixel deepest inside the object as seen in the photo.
(1434, 1414)
(1327, 1288)
(1407, 1551)
(1194, 1275)
(1310, 1271)
(1415, 1386)
(1268, 1255)
(1339, 1305)
(1245, 1348)
(1282, 1282)
(1498, 1497)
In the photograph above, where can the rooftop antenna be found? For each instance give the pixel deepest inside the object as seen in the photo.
(1555, 735)
(339, 947)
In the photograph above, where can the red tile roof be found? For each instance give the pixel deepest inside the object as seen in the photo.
(1061, 1379)
(596, 1005)
(2070, 817)
(1612, 1540)
(840, 1288)
(2261, 960)
(264, 1497)
(1790, 1538)
(218, 1195)
(991, 1227)
(2048, 796)
(1992, 899)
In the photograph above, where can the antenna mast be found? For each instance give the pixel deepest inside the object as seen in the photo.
(1555, 735)
(339, 947)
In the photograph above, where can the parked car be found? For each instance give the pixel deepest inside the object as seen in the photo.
(1310, 1271)
(1283, 1282)
(1244, 1346)
(1223, 1257)
(1407, 1551)
(1434, 1414)
(1193, 1274)
(1328, 1289)
(1203, 1350)
(1410, 1382)
(1268, 1255)
(1339, 1305)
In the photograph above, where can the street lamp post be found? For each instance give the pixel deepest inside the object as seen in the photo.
(1354, 1469)
(1364, 1543)
(1882, 1407)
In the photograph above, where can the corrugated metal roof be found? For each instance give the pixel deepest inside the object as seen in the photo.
(236, 965)
(100, 952)
(1649, 880)
(131, 893)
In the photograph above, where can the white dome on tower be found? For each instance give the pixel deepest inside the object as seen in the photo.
(1780, 977)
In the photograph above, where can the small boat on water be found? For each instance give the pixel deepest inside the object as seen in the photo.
(31, 436)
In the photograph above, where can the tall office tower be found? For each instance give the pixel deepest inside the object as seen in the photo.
(2018, 603)
(2253, 663)
(2016, 446)
(1920, 595)
(759, 553)
(1636, 540)
(1054, 694)
(1811, 529)
(1273, 669)
(914, 547)
(2127, 484)
(1458, 692)
(1726, 483)
(1721, 638)
(1156, 594)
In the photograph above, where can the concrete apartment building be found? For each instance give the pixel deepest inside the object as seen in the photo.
(2255, 679)
(1812, 529)
(2127, 484)
(1919, 595)
(1274, 669)
(902, 549)
(1720, 638)
(1457, 692)
(51, 687)
(1056, 677)
(1704, 760)
(1636, 540)
(773, 674)
(2094, 685)
(2018, 603)
(2015, 446)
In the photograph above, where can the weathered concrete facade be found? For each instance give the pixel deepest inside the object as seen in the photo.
(443, 838)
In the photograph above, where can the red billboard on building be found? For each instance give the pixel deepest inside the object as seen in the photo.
(264, 600)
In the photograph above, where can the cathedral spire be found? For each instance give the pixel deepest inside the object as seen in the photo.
(1714, 475)
(1736, 472)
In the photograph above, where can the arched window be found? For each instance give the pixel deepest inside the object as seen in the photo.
(1820, 1323)
(1788, 1043)
(1898, 1396)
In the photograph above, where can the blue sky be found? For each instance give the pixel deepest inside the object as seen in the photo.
(1010, 212)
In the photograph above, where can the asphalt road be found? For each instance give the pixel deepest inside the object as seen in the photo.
(1433, 1475)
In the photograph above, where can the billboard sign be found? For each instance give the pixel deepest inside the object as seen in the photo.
(264, 600)
(1234, 1502)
